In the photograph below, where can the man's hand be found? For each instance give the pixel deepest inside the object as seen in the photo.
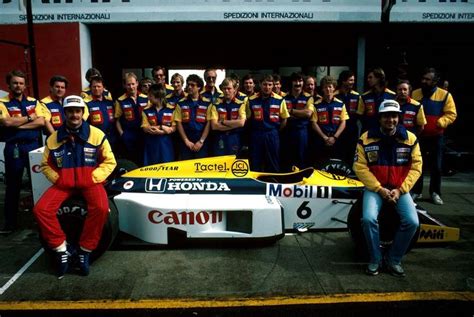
(197, 146)
(189, 144)
(330, 141)
(385, 193)
(166, 129)
(394, 195)
(33, 116)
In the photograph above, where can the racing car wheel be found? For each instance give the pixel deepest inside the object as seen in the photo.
(71, 216)
(337, 167)
(389, 221)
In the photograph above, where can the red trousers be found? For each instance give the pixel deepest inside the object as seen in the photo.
(97, 211)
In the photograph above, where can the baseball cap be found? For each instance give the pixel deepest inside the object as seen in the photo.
(73, 101)
(389, 106)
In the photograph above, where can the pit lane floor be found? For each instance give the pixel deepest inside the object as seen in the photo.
(300, 275)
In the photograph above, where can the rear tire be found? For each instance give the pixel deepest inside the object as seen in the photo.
(337, 167)
(389, 222)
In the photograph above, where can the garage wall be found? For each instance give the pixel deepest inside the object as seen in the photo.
(57, 50)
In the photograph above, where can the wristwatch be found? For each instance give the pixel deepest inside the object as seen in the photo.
(29, 118)
(201, 141)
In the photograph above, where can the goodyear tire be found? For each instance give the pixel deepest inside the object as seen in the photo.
(72, 215)
(389, 221)
(337, 167)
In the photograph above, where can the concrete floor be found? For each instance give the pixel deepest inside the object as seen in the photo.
(300, 273)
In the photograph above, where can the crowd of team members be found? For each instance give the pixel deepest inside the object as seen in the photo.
(154, 122)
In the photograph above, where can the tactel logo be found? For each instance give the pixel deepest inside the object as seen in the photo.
(240, 168)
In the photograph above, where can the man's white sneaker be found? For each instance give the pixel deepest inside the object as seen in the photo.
(436, 199)
(416, 197)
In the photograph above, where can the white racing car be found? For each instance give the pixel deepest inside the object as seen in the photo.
(219, 198)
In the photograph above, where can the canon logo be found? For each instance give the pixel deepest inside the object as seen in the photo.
(184, 217)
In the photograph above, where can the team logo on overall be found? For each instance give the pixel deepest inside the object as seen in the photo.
(372, 156)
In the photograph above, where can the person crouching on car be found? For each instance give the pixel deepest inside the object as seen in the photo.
(388, 162)
(77, 159)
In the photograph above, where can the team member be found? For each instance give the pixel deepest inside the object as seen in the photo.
(294, 137)
(268, 115)
(372, 98)
(77, 158)
(248, 85)
(158, 125)
(440, 111)
(94, 72)
(277, 85)
(353, 101)
(128, 115)
(101, 111)
(159, 75)
(192, 120)
(177, 81)
(145, 84)
(239, 94)
(310, 87)
(21, 119)
(328, 121)
(210, 90)
(413, 116)
(227, 119)
(54, 102)
(388, 162)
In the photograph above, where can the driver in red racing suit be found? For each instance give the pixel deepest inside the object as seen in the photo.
(77, 159)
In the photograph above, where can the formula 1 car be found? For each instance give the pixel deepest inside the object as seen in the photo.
(220, 198)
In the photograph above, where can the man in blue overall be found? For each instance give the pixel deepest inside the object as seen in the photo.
(268, 115)
(22, 119)
(227, 120)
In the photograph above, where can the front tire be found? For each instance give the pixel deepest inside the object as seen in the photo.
(71, 216)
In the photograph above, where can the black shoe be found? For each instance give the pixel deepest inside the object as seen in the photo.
(372, 269)
(396, 270)
(393, 268)
(62, 263)
(83, 262)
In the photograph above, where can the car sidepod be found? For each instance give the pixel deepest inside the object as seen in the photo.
(150, 217)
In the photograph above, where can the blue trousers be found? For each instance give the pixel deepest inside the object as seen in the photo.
(294, 148)
(372, 203)
(265, 151)
(186, 154)
(132, 140)
(15, 164)
(226, 143)
(158, 149)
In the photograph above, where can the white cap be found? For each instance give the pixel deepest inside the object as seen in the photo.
(389, 106)
(73, 101)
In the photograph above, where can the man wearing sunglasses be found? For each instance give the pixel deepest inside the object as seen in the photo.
(210, 90)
